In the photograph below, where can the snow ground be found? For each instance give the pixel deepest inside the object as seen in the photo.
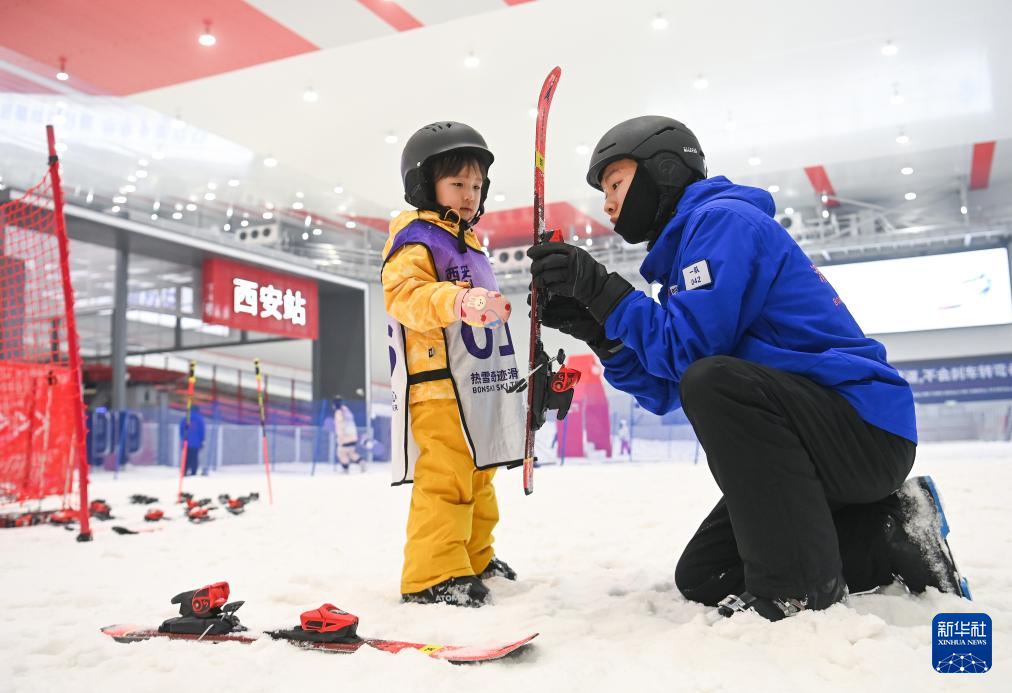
(595, 547)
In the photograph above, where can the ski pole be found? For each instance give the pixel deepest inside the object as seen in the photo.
(263, 430)
(191, 381)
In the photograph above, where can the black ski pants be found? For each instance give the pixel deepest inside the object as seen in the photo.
(806, 485)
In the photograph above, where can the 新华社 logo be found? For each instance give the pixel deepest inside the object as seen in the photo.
(961, 643)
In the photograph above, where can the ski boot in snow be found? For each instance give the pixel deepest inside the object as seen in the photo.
(326, 624)
(497, 568)
(774, 609)
(916, 539)
(467, 590)
(100, 510)
(204, 612)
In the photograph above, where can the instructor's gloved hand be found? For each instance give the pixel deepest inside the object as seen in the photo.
(568, 270)
(566, 315)
(480, 307)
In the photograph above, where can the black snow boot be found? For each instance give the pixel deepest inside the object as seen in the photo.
(916, 540)
(776, 609)
(498, 568)
(457, 591)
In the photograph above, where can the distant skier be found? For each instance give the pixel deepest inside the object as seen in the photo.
(623, 438)
(808, 431)
(346, 436)
(195, 435)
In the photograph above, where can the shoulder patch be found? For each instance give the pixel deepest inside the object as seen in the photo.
(697, 275)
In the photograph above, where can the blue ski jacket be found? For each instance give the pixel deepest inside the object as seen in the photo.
(733, 282)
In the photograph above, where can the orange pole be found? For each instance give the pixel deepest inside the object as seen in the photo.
(186, 428)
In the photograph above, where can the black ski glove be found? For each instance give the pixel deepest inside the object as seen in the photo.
(566, 315)
(567, 270)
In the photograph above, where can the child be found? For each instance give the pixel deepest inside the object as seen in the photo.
(451, 358)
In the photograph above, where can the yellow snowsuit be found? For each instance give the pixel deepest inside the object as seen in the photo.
(453, 504)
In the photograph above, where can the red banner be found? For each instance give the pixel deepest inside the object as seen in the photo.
(247, 297)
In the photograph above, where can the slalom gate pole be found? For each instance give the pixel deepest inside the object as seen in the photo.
(73, 346)
(192, 380)
(263, 429)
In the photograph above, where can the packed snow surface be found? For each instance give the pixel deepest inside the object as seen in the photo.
(595, 548)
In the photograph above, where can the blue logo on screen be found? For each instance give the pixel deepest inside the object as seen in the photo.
(961, 643)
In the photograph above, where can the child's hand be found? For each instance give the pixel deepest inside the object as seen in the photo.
(482, 308)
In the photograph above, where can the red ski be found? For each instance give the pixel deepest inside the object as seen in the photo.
(457, 654)
(206, 615)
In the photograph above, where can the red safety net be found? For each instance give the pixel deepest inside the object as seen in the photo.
(41, 409)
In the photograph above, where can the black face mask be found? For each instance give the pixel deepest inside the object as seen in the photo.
(639, 210)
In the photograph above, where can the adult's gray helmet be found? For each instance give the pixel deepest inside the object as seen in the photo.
(656, 142)
(430, 141)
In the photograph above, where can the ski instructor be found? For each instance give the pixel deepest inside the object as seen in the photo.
(808, 431)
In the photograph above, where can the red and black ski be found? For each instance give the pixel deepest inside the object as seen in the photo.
(457, 654)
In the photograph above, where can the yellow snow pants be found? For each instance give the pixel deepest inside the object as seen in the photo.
(453, 504)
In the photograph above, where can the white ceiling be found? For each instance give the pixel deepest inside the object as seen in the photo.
(805, 83)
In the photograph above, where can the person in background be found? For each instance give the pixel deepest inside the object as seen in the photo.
(194, 434)
(346, 436)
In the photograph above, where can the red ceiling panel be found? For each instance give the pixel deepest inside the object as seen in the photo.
(980, 166)
(128, 46)
(393, 14)
(820, 181)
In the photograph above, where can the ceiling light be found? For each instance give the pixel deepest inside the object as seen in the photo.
(233, 183)
(88, 199)
(754, 160)
(499, 197)
(471, 61)
(62, 74)
(297, 205)
(268, 215)
(177, 215)
(890, 49)
(115, 209)
(226, 227)
(229, 212)
(191, 207)
(825, 214)
(305, 235)
(590, 242)
(309, 220)
(391, 138)
(338, 189)
(270, 162)
(310, 95)
(582, 149)
(701, 82)
(484, 241)
(179, 206)
(659, 23)
(244, 223)
(907, 170)
(317, 231)
(119, 199)
(154, 216)
(350, 224)
(902, 138)
(963, 210)
(824, 197)
(156, 206)
(910, 196)
(789, 210)
(207, 38)
(773, 188)
(209, 196)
